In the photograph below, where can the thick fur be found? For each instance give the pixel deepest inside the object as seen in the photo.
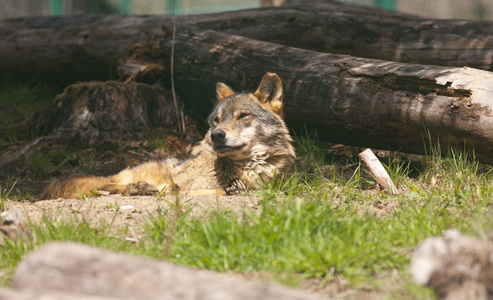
(247, 141)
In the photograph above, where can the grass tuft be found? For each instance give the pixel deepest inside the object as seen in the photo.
(4, 196)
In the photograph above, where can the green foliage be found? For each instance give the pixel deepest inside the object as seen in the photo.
(10, 194)
(40, 164)
(331, 228)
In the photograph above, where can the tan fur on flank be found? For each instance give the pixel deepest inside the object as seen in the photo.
(247, 141)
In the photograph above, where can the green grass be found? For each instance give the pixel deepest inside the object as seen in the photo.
(4, 196)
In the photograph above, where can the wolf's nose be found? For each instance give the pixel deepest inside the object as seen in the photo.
(218, 135)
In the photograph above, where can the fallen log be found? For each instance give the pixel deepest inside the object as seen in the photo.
(67, 49)
(88, 47)
(364, 102)
(80, 269)
(334, 27)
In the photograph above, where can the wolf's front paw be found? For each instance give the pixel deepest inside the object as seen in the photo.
(140, 188)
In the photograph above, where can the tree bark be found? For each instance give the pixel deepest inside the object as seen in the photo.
(88, 47)
(371, 103)
(333, 27)
(79, 269)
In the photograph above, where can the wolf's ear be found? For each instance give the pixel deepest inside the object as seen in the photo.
(269, 92)
(223, 91)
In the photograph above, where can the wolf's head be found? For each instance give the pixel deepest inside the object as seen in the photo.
(250, 125)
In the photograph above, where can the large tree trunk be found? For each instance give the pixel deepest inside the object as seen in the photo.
(372, 103)
(88, 47)
(80, 269)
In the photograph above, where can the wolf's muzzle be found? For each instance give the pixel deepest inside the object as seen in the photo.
(218, 136)
(220, 143)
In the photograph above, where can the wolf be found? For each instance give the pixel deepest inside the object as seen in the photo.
(247, 143)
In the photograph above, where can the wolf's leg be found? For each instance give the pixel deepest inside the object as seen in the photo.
(154, 173)
(206, 192)
(173, 189)
(74, 187)
(140, 188)
(169, 188)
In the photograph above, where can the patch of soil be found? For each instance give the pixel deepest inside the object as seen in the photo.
(130, 212)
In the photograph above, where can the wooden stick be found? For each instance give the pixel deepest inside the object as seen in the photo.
(378, 172)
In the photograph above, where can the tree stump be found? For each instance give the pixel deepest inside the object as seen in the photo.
(88, 113)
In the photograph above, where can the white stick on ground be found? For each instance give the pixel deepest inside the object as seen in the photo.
(378, 172)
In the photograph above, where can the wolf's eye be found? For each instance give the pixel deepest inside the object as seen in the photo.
(243, 115)
(216, 120)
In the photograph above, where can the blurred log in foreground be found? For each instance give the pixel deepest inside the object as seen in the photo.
(456, 266)
(79, 269)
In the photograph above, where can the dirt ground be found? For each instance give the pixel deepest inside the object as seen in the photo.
(129, 212)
